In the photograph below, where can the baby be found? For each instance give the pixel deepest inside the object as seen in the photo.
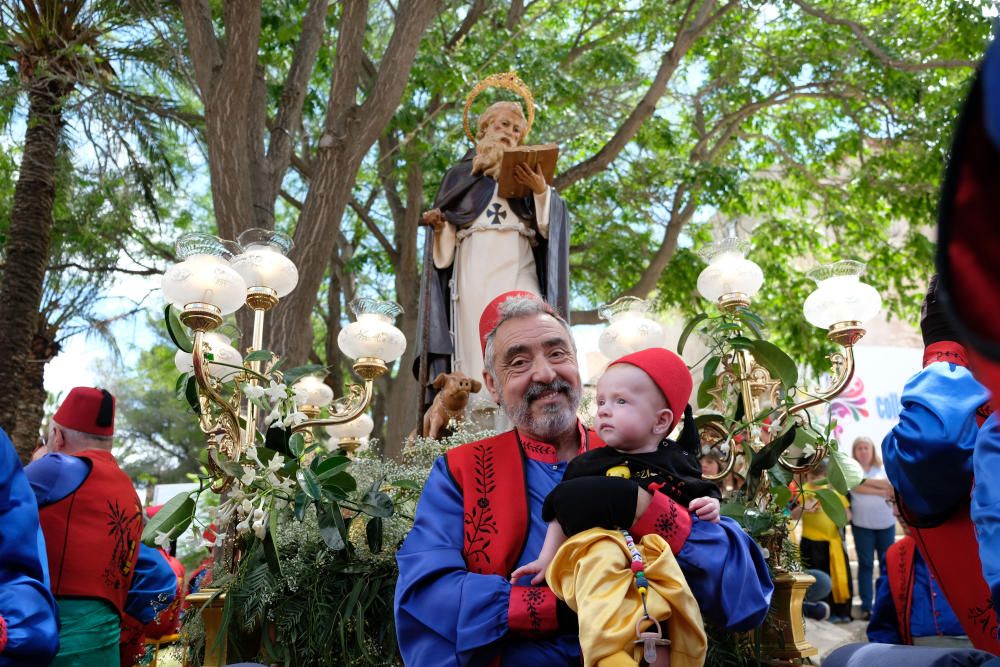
(634, 418)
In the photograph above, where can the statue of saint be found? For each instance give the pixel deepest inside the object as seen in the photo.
(485, 245)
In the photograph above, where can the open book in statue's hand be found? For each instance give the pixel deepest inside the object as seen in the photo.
(542, 155)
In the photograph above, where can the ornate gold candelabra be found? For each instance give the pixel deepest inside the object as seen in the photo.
(216, 278)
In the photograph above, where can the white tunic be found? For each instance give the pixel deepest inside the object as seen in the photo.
(491, 256)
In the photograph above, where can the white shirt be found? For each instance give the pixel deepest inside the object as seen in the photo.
(869, 510)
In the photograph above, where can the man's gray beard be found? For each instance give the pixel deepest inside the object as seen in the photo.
(489, 154)
(555, 419)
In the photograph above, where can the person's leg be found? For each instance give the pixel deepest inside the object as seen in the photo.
(819, 589)
(864, 546)
(883, 540)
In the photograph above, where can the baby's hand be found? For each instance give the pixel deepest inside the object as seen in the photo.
(535, 567)
(705, 508)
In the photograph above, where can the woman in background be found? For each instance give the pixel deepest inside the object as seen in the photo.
(872, 522)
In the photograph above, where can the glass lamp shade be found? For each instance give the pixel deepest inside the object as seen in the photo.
(840, 296)
(629, 329)
(311, 390)
(204, 275)
(356, 429)
(222, 351)
(729, 271)
(373, 334)
(263, 262)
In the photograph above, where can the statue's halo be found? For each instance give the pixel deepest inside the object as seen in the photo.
(509, 81)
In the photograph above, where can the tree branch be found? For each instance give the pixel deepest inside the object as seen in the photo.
(877, 50)
(293, 94)
(685, 38)
(373, 228)
(475, 12)
(204, 47)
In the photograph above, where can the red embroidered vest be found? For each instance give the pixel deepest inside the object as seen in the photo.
(92, 535)
(952, 554)
(899, 562)
(490, 475)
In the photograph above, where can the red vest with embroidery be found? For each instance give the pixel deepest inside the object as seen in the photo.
(92, 535)
(899, 562)
(490, 475)
(952, 554)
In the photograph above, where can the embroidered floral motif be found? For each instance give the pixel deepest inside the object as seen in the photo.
(542, 451)
(666, 522)
(985, 618)
(121, 524)
(481, 523)
(533, 599)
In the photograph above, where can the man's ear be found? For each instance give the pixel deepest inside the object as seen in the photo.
(664, 420)
(476, 386)
(439, 381)
(491, 387)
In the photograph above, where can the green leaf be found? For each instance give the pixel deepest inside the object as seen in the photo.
(832, 506)
(742, 342)
(332, 528)
(308, 483)
(301, 503)
(270, 546)
(293, 375)
(259, 355)
(180, 387)
(330, 466)
(191, 395)
(373, 532)
(781, 495)
(297, 444)
(174, 518)
(708, 418)
(688, 330)
(778, 364)
(340, 484)
(377, 503)
(768, 455)
(844, 472)
(176, 330)
(711, 367)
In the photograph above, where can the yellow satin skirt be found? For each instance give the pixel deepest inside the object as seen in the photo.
(591, 573)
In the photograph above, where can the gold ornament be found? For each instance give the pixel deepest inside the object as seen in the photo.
(509, 81)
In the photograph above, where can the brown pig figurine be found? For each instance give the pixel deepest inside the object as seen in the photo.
(453, 395)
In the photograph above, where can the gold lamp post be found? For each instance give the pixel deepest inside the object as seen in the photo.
(216, 278)
(840, 304)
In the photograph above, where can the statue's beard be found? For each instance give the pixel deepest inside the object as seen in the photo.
(489, 154)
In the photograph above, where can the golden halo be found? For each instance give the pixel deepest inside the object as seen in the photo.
(508, 80)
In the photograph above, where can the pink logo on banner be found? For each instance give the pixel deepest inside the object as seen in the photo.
(849, 404)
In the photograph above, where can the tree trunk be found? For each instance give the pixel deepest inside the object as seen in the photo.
(31, 398)
(28, 241)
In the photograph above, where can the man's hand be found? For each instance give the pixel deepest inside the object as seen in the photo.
(705, 508)
(533, 178)
(434, 219)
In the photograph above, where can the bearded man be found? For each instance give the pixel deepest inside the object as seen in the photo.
(480, 517)
(485, 244)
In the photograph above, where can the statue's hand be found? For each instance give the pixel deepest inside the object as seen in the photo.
(533, 178)
(434, 219)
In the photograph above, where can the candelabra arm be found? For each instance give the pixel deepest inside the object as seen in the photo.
(356, 403)
(844, 376)
(229, 420)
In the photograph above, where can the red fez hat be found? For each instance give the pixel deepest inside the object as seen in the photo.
(88, 410)
(491, 313)
(153, 509)
(668, 372)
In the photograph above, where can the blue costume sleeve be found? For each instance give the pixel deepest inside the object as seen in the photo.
(55, 476)
(153, 588)
(928, 454)
(986, 501)
(27, 608)
(883, 628)
(727, 574)
(446, 615)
